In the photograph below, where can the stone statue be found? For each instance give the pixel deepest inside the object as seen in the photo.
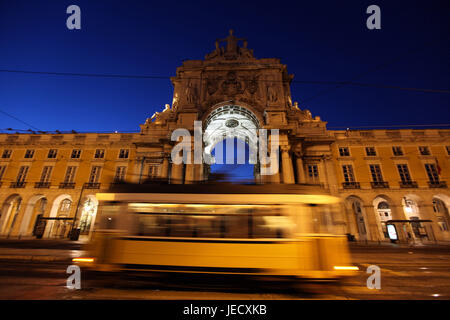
(272, 95)
(231, 42)
(232, 50)
(191, 93)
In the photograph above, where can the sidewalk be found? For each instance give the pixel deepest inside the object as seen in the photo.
(39, 250)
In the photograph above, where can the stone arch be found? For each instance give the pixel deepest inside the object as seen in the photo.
(9, 212)
(382, 205)
(411, 206)
(441, 210)
(87, 213)
(231, 120)
(52, 228)
(32, 210)
(357, 217)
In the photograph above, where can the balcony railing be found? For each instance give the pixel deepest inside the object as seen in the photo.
(42, 184)
(379, 185)
(351, 185)
(18, 184)
(92, 185)
(437, 184)
(67, 185)
(408, 184)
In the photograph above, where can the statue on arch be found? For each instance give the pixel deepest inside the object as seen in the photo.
(191, 93)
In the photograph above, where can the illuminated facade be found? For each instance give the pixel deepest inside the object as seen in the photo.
(381, 175)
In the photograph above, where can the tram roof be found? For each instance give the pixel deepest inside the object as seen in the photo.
(218, 188)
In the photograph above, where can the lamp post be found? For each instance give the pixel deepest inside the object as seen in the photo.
(76, 211)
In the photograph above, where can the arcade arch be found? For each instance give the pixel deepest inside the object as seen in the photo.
(355, 207)
(9, 213)
(35, 208)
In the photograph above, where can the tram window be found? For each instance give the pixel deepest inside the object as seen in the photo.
(237, 226)
(271, 226)
(152, 225)
(321, 218)
(109, 213)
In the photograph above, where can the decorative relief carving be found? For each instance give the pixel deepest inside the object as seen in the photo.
(231, 86)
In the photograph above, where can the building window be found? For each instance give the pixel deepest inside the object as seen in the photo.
(424, 151)
(76, 153)
(397, 151)
(52, 153)
(370, 151)
(313, 173)
(448, 150)
(403, 171)
(99, 153)
(123, 153)
(46, 173)
(70, 174)
(153, 171)
(22, 175)
(6, 154)
(29, 154)
(375, 171)
(432, 172)
(344, 152)
(65, 205)
(348, 173)
(120, 174)
(95, 174)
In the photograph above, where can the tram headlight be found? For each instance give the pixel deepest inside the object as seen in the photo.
(346, 268)
(85, 260)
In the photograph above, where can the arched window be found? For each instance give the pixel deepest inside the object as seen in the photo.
(64, 207)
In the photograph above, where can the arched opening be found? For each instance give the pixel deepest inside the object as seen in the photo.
(418, 231)
(88, 212)
(235, 166)
(60, 222)
(62, 226)
(384, 215)
(442, 216)
(355, 205)
(230, 141)
(9, 213)
(33, 212)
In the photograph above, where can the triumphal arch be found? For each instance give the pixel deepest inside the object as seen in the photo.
(231, 91)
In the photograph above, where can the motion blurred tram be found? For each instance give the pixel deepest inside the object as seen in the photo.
(259, 230)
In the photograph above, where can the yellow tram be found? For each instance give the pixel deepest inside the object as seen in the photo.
(262, 230)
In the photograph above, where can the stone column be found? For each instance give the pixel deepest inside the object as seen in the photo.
(331, 175)
(288, 171)
(301, 178)
(322, 173)
(176, 173)
(372, 224)
(165, 168)
(189, 174)
(198, 172)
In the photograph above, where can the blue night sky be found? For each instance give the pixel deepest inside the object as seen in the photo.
(318, 40)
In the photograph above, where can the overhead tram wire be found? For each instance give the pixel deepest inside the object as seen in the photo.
(377, 68)
(337, 84)
(17, 119)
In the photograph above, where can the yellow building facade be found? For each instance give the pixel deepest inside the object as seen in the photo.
(385, 178)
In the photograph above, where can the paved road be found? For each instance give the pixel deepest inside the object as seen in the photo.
(406, 273)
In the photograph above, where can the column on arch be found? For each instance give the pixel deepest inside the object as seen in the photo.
(288, 170)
